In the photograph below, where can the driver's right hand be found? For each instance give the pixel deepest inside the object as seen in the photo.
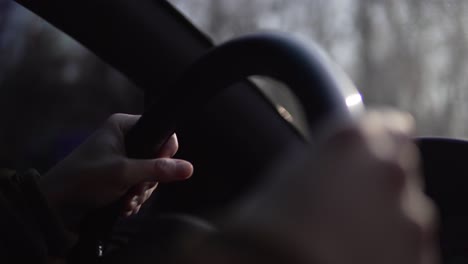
(357, 197)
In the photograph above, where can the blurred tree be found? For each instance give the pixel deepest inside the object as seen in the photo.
(408, 54)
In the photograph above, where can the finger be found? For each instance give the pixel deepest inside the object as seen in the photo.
(135, 191)
(124, 122)
(157, 170)
(137, 209)
(389, 137)
(130, 203)
(399, 128)
(145, 194)
(127, 213)
(169, 149)
(386, 131)
(167, 170)
(152, 185)
(397, 122)
(140, 192)
(148, 194)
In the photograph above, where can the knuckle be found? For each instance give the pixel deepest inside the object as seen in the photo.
(112, 122)
(114, 118)
(393, 174)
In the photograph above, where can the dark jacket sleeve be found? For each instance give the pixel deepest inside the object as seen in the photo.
(30, 232)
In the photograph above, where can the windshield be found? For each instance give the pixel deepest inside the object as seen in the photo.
(405, 54)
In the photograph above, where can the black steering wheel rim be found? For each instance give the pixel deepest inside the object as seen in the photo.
(306, 71)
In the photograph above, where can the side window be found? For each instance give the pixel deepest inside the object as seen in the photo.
(53, 92)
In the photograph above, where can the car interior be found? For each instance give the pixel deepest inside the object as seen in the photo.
(227, 126)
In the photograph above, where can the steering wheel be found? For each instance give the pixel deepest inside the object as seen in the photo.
(307, 72)
(324, 92)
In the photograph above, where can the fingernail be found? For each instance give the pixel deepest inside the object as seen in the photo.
(184, 168)
(127, 213)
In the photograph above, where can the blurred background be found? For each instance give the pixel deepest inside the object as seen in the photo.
(408, 54)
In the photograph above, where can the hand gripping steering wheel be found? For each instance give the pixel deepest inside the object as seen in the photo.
(322, 89)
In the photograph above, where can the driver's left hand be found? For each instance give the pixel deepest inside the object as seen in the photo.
(98, 173)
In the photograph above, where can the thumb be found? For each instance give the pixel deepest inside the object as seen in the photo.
(124, 122)
(160, 170)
